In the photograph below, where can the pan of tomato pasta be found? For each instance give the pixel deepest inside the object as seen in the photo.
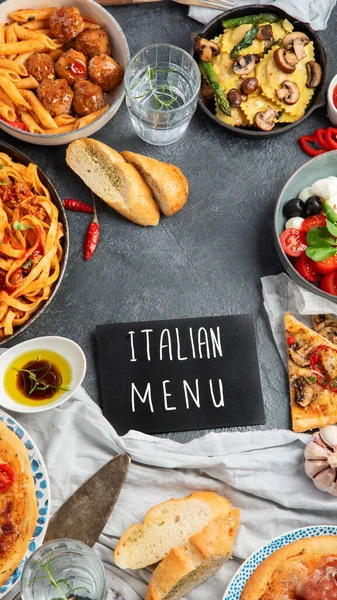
(34, 242)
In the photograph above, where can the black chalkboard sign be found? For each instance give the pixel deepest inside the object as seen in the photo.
(177, 375)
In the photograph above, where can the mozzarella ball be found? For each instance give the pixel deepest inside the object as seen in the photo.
(305, 194)
(294, 222)
(323, 188)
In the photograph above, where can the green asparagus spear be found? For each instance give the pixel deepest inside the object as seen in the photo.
(250, 20)
(219, 94)
(246, 41)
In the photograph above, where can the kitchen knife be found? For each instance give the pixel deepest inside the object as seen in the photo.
(83, 516)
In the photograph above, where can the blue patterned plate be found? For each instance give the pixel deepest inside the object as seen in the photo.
(42, 488)
(238, 582)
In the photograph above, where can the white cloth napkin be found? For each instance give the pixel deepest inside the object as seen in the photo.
(261, 472)
(315, 12)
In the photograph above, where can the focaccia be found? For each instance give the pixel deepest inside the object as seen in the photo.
(296, 571)
(312, 363)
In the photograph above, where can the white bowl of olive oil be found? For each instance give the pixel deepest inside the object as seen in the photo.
(40, 374)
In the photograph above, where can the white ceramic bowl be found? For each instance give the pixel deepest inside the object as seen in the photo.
(63, 346)
(120, 52)
(332, 110)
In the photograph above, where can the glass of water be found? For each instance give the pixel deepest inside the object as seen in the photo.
(64, 569)
(162, 83)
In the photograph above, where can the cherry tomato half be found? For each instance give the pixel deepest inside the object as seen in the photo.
(307, 268)
(313, 221)
(329, 283)
(328, 265)
(293, 241)
(18, 124)
(7, 477)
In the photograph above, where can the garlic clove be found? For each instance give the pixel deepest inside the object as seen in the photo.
(329, 436)
(313, 467)
(314, 451)
(324, 479)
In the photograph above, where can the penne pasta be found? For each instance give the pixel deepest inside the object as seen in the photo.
(26, 34)
(10, 34)
(37, 107)
(7, 112)
(27, 83)
(88, 25)
(34, 25)
(83, 121)
(14, 94)
(31, 14)
(6, 63)
(32, 125)
(2, 33)
(64, 120)
(55, 54)
(12, 76)
(20, 47)
(5, 98)
(21, 58)
(62, 129)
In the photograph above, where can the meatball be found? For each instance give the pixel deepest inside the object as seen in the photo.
(65, 23)
(56, 96)
(40, 66)
(88, 97)
(71, 66)
(106, 72)
(93, 42)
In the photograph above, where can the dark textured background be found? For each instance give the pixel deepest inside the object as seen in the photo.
(206, 260)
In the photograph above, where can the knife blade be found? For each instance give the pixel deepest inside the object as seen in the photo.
(83, 516)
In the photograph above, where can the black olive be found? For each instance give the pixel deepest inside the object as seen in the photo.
(293, 208)
(313, 206)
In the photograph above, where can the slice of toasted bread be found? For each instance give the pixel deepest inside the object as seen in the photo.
(168, 184)
(166, 526)
(115, 181)
(187, 566)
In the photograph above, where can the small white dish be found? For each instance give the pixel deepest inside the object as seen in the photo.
(60, 345)
(332, 110)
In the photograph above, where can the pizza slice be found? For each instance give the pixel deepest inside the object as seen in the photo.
(326, 325)
(312, 363)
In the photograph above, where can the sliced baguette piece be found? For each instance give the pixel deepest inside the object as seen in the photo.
(166, 526)
(168, 184)
(187, 566)
(115, 181)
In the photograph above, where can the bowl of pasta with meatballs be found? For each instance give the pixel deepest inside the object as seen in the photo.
(61, 69)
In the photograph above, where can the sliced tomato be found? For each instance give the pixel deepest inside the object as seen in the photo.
(329, 283)
(290, 340)
(7, 477)
(313, 221)
(18, 124)
(327, 266)
(307, 268)
(293, 241)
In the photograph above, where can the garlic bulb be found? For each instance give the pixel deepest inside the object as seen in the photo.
(321, 459)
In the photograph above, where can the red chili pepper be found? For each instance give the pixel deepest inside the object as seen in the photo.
(305, 142)
(7, 477)
(77, 205)
(78, 68)
(92, 237)
(18, 124)
(290, 340)
(316, 362)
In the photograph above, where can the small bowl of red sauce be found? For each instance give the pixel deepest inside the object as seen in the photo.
(332, 101)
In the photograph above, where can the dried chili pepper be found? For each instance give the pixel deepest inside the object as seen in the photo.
(77, 205)
(92, 236)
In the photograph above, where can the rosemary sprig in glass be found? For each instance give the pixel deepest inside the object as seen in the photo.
(48, 574)
(37, 378)
(159, 91)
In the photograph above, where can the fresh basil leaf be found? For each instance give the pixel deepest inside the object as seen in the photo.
(318, 254)
(329, 212)
(319, 237)
(331, 228)
(21, 227)
(1, 166)
(0, 242)
(27, 264)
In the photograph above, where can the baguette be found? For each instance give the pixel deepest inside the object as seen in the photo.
(166, 526)
(187, 566)
(115, 181)
(168, 184)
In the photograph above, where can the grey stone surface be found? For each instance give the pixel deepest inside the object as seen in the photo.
(206, 260)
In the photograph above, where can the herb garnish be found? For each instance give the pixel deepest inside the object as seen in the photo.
(21, 226)
(322, 241)
(37, 377)
(27, 264)
(158, 91)
(64, 594)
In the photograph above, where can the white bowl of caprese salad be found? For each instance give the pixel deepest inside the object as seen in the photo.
(305, 225)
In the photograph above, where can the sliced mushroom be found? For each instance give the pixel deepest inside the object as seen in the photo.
(206, 48)
(244, 64)
(286, 61)
(207, 92)
(327, 327)
(249, 85)
(234, 97)
(289, 92)
(300, 355)
(266, 33)
(296, 40)
(265, 120)
(314, 74)
(304, 392)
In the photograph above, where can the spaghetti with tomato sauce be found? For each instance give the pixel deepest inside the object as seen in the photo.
(30, 243)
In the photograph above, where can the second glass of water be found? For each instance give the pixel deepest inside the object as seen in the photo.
(162, 83)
